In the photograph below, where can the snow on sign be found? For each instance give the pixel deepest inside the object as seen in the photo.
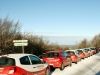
(20, 42)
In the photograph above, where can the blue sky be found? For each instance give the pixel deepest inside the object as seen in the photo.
(70, 20)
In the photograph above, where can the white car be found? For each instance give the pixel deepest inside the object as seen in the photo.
(23, 64)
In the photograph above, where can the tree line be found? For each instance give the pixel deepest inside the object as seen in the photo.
(95, 42)
(10, 30)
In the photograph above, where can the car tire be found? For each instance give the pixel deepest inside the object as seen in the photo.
(84, 58)
(47, 72)
(62, 67)
(80, 59)
(76, 62)
(70, 64)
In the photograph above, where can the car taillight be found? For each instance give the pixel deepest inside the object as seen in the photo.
(12, 70)
(83, 53)
(74, 56)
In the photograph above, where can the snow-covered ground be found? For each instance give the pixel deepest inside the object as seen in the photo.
(88, 66)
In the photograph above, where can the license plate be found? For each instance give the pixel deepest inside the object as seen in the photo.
(50, 64)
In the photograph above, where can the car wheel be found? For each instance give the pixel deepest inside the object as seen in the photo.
(70, 64)
(84, 58)
(62, 67)
(80, 59)
(76, 62)
(47, 72)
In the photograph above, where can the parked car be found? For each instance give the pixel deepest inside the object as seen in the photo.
(85, 52)
(74, 56)
(23, 64)
(57, 59)
(82, 54)
(89, 51)
(93, 50)
(97, 49)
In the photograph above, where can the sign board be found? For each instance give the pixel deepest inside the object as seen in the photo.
(20, 41)
(20, 44)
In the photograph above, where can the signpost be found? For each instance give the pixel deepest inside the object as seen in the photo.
(20, 43)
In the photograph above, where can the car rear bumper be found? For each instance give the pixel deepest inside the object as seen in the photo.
(74, 60)
(55, 64)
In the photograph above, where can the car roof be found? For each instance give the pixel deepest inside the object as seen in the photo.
(79, 49)
(16, 55)
(71, 50)
(54, 51)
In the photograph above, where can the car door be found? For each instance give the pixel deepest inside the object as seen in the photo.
(33, 64)
(65, 59)
(68, 56)
(37, 65)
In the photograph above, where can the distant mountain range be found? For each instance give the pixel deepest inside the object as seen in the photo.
(67, 40)
(67, 45)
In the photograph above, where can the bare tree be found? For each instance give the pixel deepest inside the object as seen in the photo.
(8, 31)
(83, 44)
(96, 41)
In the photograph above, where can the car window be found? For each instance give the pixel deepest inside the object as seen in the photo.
(7, 62)
(24, 60)
(63, 54)
(67, 53)
(51, 55)
(80, 50)
(92, 48)
(85, 50)
(35, 60)
(71, 52)
(77, 52)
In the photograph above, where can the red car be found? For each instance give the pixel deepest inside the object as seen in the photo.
(73, 55)
(93, 50)
(89, 51)
(23, 64)
(82, 54)
(85, 52)
(57, 59)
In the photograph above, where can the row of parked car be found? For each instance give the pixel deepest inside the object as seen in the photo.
(29, 64)
(61, 59)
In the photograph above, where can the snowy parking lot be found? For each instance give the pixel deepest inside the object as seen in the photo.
(87, 66)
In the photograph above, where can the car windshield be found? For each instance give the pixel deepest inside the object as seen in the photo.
(92, 48)
(7, 62)
(71, 52)
(51, 55)
(85, 50)
(68, 53)
(80, 51)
